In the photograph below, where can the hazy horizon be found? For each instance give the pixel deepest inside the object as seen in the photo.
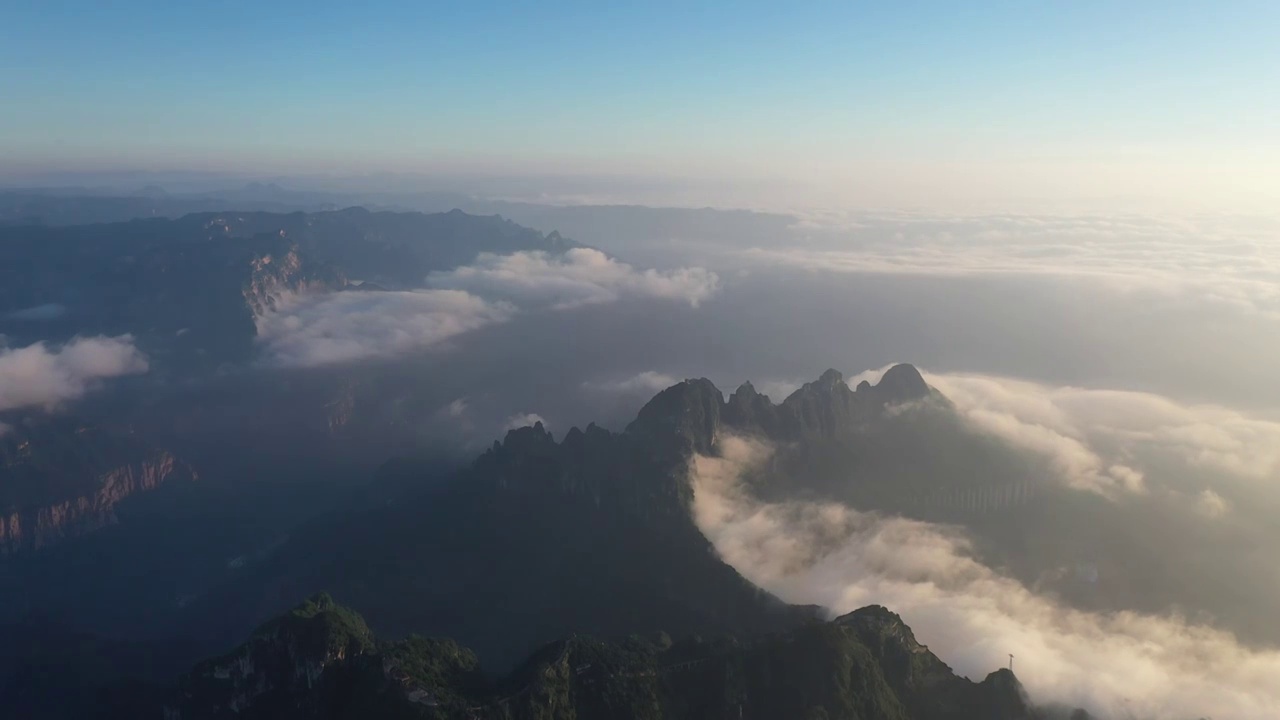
(833, 105)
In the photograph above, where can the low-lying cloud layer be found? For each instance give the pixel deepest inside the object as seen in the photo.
(1214, 261)
(313, 330)
(38, 376)
(580, 276)
(1125, 664)
(322, 329)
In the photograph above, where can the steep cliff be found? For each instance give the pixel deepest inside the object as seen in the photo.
(59, 480)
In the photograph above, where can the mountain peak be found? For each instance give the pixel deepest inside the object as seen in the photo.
(690, 409)
(878, 625)
(902, 383)
(873, 614)
(528, 437)
(830, 377)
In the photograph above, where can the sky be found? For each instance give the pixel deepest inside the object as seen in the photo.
(841, 103)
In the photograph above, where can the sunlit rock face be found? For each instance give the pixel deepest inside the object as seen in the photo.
(60, 480)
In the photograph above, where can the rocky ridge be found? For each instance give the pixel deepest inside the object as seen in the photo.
(320, 661)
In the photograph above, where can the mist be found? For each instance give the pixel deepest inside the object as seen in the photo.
(1127, 355)
(512, 325)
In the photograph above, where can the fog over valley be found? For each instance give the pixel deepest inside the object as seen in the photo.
(724, 361)
(1120, 471)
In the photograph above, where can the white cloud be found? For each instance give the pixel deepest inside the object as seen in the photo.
(1211, 504)
(457, 408)
(307, 330)
(312, 330)
(38, 376)
(580, 276)
(523, 420)
(1124, 664)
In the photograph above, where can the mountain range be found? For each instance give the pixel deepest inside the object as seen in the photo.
(539, 559)
(532, 551)
(146, 456)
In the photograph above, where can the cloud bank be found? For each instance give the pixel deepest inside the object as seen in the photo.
(308, 330)
(1215, 261)
(323, 329)
(37, 376)
(580, 276)
(1124, 664)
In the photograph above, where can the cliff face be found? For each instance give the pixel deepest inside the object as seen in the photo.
(54, 487)
(273, 276)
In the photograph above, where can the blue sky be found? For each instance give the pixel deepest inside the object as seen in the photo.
(726, 88)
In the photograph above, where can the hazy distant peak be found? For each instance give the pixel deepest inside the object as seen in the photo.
(528, 437)
(902, 383)
(680, 397)
(830, 378)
